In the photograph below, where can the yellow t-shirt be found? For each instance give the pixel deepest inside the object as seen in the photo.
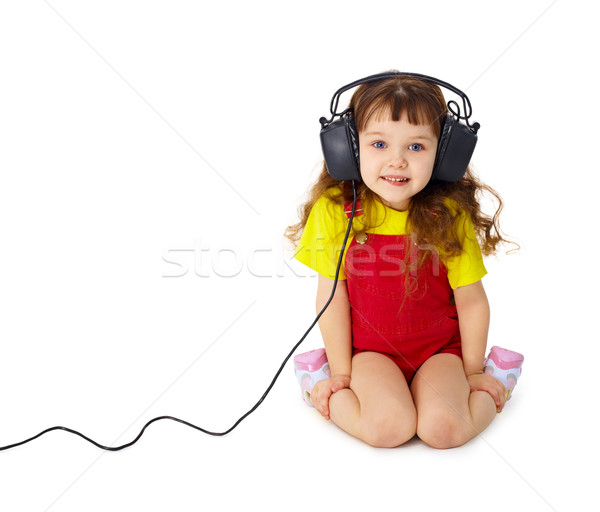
(321, 242)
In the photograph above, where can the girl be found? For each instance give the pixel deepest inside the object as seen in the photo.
(406, 331)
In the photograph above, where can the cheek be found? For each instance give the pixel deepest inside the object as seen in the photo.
(367, 162)
(427, 163)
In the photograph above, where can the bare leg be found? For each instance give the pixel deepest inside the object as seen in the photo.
(449, 415)
(378, 407)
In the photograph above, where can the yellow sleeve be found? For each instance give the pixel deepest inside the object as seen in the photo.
(322, 238)
(467, 267)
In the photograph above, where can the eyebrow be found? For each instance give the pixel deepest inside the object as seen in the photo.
(422, 137)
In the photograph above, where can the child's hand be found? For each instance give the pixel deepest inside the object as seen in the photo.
(323, 390)
(485, 382)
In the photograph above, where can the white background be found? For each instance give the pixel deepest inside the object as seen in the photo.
(140, 141)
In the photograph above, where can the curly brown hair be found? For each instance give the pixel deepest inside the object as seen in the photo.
(423, 103)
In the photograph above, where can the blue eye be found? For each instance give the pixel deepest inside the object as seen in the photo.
(379, 145)
(415, 147)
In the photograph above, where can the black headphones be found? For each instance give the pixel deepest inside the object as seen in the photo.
(339, 138)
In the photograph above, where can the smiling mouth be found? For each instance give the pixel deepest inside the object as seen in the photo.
(389, 178)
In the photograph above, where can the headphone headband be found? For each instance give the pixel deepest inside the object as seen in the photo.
(392, 74)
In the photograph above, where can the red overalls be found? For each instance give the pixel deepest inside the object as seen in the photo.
(408, 328)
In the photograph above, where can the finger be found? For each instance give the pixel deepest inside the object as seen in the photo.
(321, 405)
(500, 400)
(336, 386)
(501, 406)
(502, 393)
(325, 398)
(324, 410)
(318, 407)
(498, 395)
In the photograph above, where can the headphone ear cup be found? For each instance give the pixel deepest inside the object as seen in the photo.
(455, 148)
(339, 142)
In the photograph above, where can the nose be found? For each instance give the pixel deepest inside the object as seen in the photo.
(398, 160)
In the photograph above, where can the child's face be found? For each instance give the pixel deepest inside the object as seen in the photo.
(396, 159)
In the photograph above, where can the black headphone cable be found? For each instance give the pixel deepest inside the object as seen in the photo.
(158, 418)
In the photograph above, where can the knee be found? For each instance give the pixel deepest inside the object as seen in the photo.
(444, 430)
(389, 431)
